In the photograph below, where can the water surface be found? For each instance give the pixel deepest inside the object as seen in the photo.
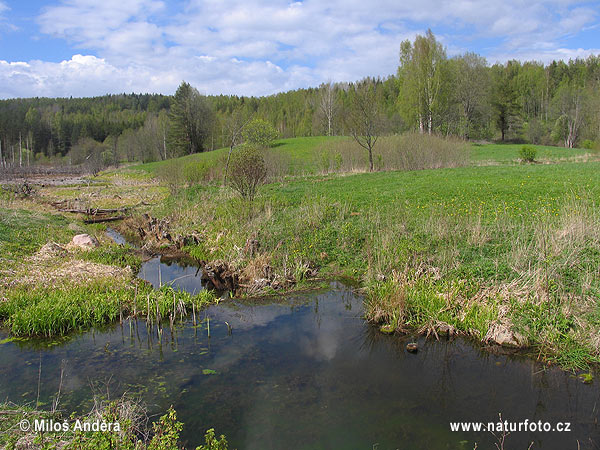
(307, 373)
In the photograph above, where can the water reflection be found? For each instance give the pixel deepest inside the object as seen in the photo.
(308, 373)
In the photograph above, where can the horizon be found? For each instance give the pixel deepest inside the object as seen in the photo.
(80, 49)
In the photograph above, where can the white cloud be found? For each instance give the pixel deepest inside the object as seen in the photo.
(255, 47)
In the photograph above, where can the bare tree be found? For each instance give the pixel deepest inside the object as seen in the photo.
(364, 118)
(569, 104)
(328, 104)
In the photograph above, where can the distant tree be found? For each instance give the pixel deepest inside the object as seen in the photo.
(364, 118)
(504, 97)
(569, 103)
(259, 133)
(420, 75)
(328, 104)
(470, 91)
(191, 120)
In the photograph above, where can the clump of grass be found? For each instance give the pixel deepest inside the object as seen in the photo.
(50, 312)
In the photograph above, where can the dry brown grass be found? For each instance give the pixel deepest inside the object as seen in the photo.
(55, 266)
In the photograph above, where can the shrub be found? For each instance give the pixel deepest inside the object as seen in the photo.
(527, 153)
(247, 171)
(410, 151)
(588, 144)
(259, 133)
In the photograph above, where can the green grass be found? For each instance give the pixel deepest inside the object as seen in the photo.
(303, 155)
(23, 232)
(509, 153)
(135, 431)
(301, 151)
(462, 245)
(47, 312)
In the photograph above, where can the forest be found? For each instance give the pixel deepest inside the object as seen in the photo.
(464, 96)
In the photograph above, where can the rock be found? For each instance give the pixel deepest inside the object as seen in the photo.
(445, 329)
(501, 334)
(412, 347)
(85, 241)
(52, 249)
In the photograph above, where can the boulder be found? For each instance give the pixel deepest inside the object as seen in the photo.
(85, 241)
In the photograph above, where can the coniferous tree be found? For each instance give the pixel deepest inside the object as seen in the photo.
(191, 120)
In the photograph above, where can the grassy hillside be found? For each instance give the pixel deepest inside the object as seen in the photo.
(301, 151)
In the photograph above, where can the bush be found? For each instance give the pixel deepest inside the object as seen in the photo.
(527, 153)
(588, 144)
(247, 171)
(259, 133)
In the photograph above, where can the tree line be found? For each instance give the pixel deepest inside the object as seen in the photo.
(556, 103)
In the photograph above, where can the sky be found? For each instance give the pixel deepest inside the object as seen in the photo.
(84, 48)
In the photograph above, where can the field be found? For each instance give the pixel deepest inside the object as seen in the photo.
(485, 246)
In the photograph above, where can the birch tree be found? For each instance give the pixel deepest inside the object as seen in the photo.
(420, 76)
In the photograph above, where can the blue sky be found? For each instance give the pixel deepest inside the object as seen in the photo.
(259, 47)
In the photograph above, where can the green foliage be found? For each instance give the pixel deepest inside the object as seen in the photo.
(259, 133)
(247, 171)
(191, 118)
(212, 443)
(527, 153)
(166, 432)
(50, 312)
(588, 144)
(128, 414)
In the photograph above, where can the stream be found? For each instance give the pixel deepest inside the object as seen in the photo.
(303, 372)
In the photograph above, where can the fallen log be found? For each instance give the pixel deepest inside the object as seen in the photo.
(94, 211)
(102, 219)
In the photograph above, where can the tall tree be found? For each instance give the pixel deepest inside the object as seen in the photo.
(471, 89)
(328, 104)
(569, 104)
(421, 75)
(191, 120)
(504, 97)
(364, 118)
